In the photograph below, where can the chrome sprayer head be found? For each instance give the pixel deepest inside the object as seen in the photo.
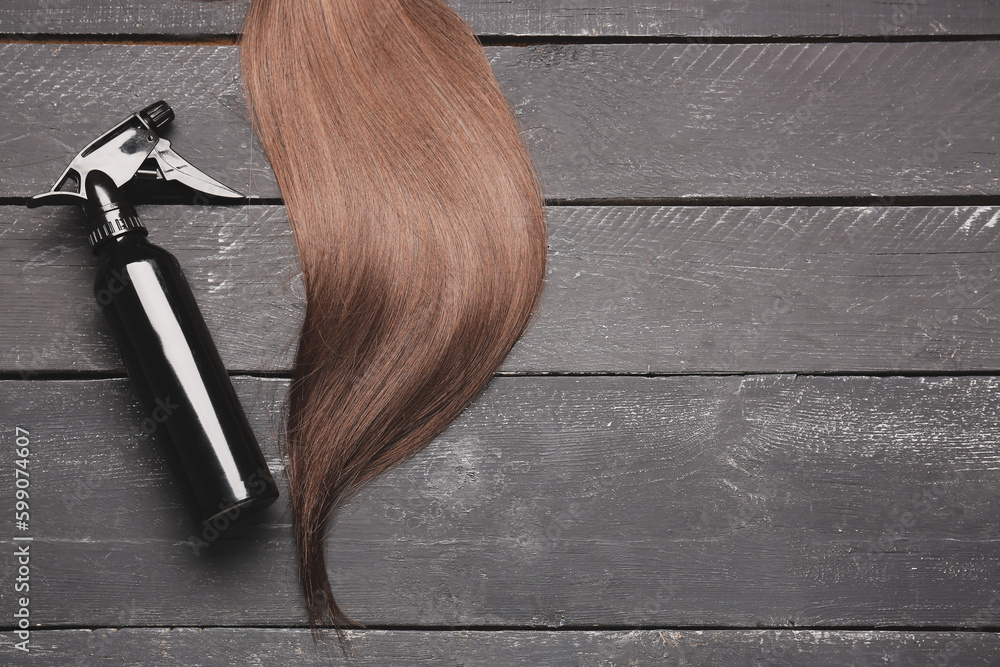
(130, 148)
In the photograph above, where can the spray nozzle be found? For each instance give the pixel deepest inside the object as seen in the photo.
(158, 114)
(130, 148)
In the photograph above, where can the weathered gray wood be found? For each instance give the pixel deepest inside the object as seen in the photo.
(630, 289)
(240, 261)
(641, 502)
(587, 18)
(195, 647)
(620, 121)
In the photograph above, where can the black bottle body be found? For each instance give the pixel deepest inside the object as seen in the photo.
(180, 378)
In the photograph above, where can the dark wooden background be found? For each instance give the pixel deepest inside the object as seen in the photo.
(755, 421)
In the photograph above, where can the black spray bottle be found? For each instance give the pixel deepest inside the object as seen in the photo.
(168, 351)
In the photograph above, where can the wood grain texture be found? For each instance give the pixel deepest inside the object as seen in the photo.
(252, 299)
(210, 647)
(629, 290)
(770, 501)
(622, 122)
(513, 18)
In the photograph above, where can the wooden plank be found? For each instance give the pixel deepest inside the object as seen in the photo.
(566, 18)
(197, 647)
(620, 121)
(630, 289)
(754, 501)
(252, 301)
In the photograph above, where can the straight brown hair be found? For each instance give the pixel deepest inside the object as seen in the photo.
(420, 229)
